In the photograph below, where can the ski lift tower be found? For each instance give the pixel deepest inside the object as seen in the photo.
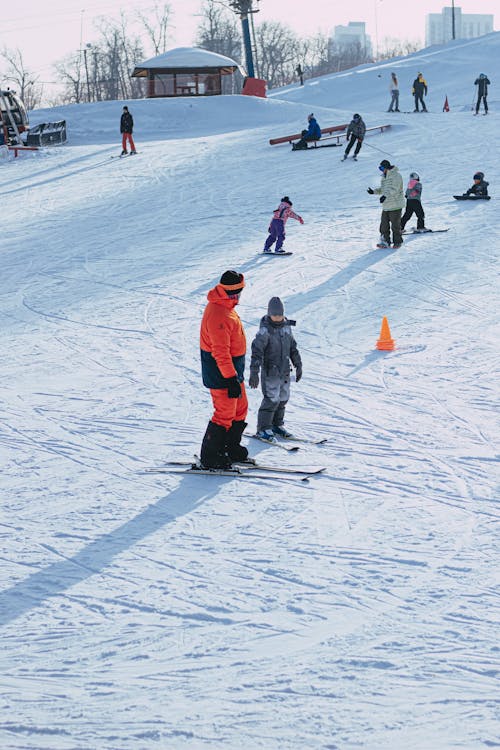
(253, 86)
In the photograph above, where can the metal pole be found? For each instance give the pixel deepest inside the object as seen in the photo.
(453, 19)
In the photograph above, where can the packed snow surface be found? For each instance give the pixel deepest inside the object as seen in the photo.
(359, 610)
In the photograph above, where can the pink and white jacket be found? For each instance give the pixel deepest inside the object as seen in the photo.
(284, 212)
(414, 190)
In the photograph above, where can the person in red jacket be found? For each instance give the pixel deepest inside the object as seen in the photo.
(223, 348)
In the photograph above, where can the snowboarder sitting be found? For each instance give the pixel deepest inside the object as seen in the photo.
(272, 349)
(480, 186)
(277, 225)
(393, 199)
(413, 203)
(356, 132)
(313, 133)
(223, 349)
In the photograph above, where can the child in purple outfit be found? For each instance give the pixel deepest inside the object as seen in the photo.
(277, 225)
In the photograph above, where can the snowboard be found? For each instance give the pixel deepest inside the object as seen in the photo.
(275, 254)
(472, 197)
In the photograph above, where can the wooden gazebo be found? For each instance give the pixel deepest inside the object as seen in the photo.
(186, 71)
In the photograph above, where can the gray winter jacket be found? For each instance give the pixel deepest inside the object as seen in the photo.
(356, 128)
(273, 347)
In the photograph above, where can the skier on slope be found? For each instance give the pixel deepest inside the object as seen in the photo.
(126, 128)
(394, 89)
(356, 132)
(277, 225)
(313, 133)
(482, 83)
(223, 348)
(418, 91)
(413, 197)
(393, 199)
(480, 186)
(273, 348)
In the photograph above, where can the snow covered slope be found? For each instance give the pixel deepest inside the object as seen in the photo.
(150, 611)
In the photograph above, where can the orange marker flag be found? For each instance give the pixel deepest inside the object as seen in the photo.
(446, 106)
(385, 343)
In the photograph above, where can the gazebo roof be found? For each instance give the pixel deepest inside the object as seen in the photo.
(183, 59)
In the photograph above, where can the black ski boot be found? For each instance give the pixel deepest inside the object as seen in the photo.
(213, 448)
(235, 451)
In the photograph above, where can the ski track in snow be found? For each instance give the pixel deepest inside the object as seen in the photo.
(142, 611)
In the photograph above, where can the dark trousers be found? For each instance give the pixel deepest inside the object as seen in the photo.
(420, 98)
(351, 143)
(413, 206)
(276, 234)
(485, 103)
(388, 220)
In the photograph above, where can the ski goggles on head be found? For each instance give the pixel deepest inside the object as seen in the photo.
(234, 293)
(382, 169)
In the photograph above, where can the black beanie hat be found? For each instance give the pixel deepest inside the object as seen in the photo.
(232, 281)
(275, 307)
(385, 164)
(286, 199)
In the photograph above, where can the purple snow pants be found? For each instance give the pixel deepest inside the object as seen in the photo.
(276, 234)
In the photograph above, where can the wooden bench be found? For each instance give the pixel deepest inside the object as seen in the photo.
(298, 136)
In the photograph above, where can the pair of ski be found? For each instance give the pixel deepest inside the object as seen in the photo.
(249, 468)
(424, 231)
(290, 448)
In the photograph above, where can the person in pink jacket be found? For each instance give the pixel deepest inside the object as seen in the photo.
(277, 225)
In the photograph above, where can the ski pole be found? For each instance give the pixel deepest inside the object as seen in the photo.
(473, 98)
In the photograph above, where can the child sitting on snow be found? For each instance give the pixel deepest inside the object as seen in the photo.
(272, 350)
(413, 203)
(277, 225)
(480, 186)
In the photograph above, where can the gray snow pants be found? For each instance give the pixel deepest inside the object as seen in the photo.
(276, 391)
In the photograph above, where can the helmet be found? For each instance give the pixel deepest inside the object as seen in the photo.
(356, 117)
(286, 199)
(414, 176)
(482, 75)
(310, 117)
(478, 176)
(384, 164)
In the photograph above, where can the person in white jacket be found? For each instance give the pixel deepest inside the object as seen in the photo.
(392, 198)
(394, 89)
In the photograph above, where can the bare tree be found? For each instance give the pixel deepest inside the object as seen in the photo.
(392, 47)
(155, 22)
(219, 31)
(25, 82)
(278, 50)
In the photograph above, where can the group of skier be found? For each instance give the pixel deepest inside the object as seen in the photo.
(419, 90)
(223, 349)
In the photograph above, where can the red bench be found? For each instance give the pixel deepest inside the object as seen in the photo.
(330, 133)
(297, 136)
(16, 149)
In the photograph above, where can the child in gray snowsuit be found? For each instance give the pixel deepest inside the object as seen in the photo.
(272, 350)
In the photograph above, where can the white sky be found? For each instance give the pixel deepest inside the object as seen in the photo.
(47, 31)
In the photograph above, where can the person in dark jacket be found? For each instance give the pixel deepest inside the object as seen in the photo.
(356, 132)
(273, 348)
(313, 133)
(126, 128)
(480, 186)
(482, 83)
(418, 91)
(413, 197)
(222, 349)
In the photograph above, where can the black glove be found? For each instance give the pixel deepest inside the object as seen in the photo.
(298, 373)
(369, 190)
(382, 198)
(253, 380)
(233, 387)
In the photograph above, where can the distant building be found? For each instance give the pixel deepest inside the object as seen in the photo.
(439, 26)
(353, 33)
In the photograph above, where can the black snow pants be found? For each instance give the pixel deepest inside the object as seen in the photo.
(413, 206)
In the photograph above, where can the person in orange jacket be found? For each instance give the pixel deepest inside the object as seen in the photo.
(223, 348)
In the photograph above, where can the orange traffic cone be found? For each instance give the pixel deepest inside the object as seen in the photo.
(446, 106)
(385, 343)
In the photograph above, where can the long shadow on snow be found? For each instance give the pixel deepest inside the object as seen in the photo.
(92, 559)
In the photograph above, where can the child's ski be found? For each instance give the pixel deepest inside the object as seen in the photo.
(273, 441)
(424, 231)
(239, 467)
